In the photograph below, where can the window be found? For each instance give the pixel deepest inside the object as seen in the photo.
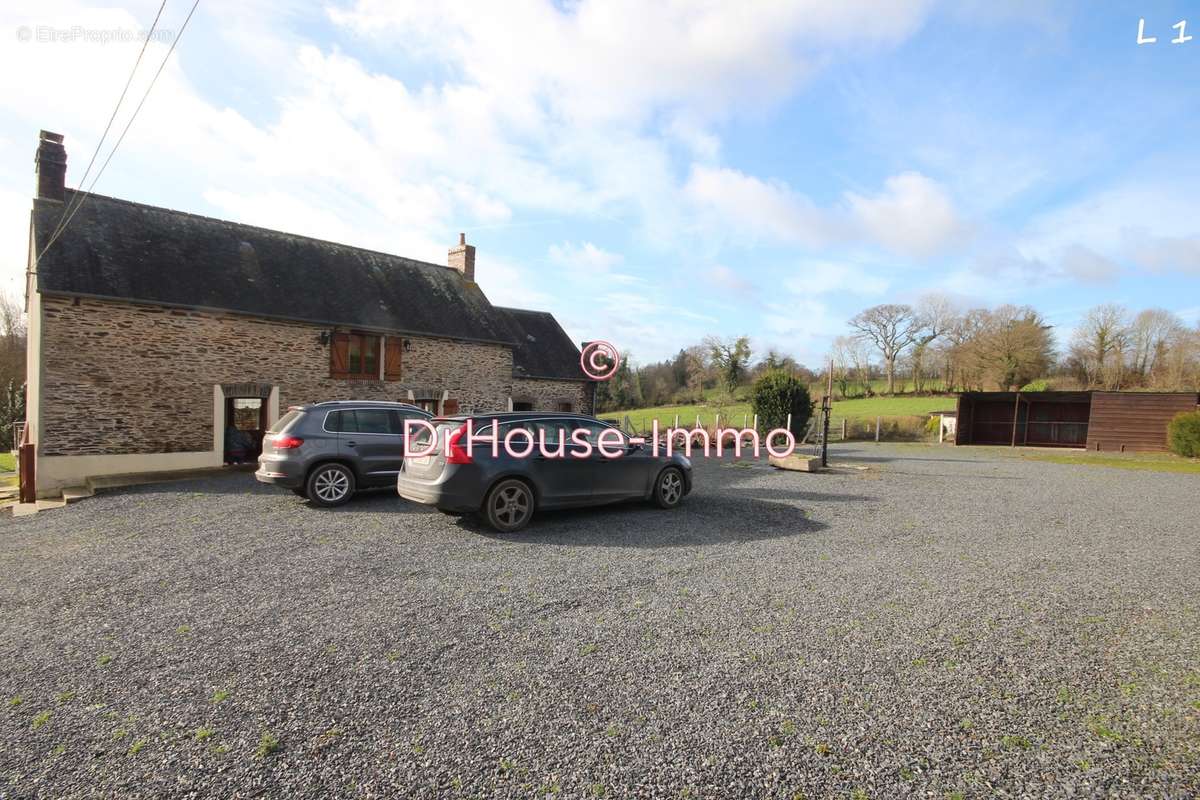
(522, 405)
(364, 420)
(354, 355)
(284, 421)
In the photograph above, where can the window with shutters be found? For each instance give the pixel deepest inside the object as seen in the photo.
(354, 355)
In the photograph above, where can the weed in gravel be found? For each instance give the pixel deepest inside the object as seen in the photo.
(183, 630)
(822, 748)
(221, 749)
(1064, 695)
(392, 656)
(267, 744)
(588, 649)
(955, 796)
(104, 659)
(611, 731)
(598, 790)
(859, 794)
(13, 702)
(919, 662)
(120, 733)
(58, 750)
(1101, 729)
(203, 734)
(788, 728)
(220, 696)
(66, 696)
(966, 724)
(41, 719)
(137, 746)
(1013, 741)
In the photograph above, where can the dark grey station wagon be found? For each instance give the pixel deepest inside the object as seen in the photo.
(506, 489)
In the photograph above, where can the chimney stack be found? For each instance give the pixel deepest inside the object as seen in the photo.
(462, 258)
(50, 166)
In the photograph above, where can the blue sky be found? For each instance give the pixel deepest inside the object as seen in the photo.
(656, 172)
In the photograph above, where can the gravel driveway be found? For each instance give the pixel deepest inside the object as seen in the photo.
(942, 623)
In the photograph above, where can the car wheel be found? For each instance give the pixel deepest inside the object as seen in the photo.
(509, 505)
(330, 485)
(668, 489)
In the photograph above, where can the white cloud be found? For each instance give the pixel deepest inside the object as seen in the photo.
(731, 200)
(725, 278)
(913, 215)
(825, 277)
(1087, 265)
(584, 257)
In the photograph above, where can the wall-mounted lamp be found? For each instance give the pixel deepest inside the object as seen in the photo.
(408, 345)
(324, 337)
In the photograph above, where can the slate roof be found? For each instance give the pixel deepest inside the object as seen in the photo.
(129, 251)
(543, 349)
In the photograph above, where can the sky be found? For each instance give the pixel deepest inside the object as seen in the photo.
(655, 172)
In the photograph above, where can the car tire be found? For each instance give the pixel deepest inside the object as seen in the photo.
(668, 488)
(509, 505)
(330, 485)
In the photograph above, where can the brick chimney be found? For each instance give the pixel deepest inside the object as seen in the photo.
(50, 166)
(462, 258)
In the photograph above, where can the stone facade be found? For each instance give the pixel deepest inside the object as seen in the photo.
(121, 378)
(547, 395)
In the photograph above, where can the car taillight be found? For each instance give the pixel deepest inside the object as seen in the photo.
(457, 452)
(286, 442)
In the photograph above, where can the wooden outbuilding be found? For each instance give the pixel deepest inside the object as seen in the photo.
(1115, 421)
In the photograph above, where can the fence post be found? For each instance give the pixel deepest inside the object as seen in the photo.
(843, 430)
(878, 422)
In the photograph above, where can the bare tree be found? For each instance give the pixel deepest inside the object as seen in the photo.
(730, 358)
(1100, 344)
(892, 329)
(1150, 336)
(937, 315)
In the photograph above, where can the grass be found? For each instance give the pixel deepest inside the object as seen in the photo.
(267, 744)
(8, 462)
(1145, 462)
(864, 408)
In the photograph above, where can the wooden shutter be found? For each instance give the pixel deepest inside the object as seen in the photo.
(449, 407)
(339, 355)
(391, 360)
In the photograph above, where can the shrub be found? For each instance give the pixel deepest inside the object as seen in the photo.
(1184, 433)
(778, 394)
(1040, 385)
(932, 426)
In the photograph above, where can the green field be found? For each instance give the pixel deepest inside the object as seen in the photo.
(1144, 462)
(8, 462)
(866, 409)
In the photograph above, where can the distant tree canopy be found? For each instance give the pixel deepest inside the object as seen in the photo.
(934, 345)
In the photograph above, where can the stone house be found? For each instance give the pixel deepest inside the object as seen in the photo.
(152, 330)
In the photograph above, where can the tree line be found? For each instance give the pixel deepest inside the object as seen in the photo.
(935, 346)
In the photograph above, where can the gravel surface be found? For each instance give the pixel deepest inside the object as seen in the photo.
(942, 622)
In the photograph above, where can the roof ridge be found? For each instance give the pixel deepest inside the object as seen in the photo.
(273, 231)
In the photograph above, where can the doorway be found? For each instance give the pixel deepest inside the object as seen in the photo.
(245, 425)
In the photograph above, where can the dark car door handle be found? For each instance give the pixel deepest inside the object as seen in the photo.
(351, 444)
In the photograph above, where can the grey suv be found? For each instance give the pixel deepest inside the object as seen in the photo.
(328, 451)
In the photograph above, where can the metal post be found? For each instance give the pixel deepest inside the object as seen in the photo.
(1016, 413)
(843, 429)
(826, 409)
(878, 421)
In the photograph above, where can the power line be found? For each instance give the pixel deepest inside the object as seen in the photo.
(120, 100)
(87, 193)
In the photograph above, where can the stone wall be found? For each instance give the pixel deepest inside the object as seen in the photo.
(546, 395)
(125, 378)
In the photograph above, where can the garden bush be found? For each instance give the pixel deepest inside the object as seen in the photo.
(778, 394)
(1184, 434)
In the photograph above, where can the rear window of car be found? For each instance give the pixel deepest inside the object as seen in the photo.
(284, 421)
